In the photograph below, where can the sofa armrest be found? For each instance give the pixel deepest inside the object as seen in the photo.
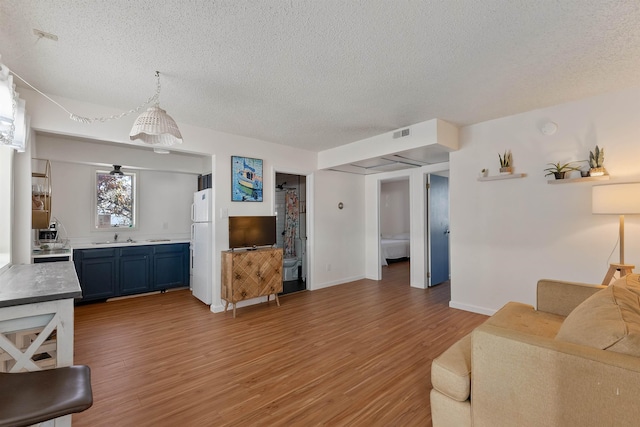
(527, 380)
(560, 297)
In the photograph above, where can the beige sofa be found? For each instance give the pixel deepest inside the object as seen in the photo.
(575, 361)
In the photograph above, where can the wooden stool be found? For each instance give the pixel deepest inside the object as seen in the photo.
(28, 398)
(623, 268)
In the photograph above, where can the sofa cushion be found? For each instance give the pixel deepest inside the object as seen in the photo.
(451, 371)
(524, 318)
(608, 320)
(446, 412)
(630, 281)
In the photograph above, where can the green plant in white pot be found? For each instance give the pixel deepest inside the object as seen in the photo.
(506, 162)
(559, 170)
(596, 162)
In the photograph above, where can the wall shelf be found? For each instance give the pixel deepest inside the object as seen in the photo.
(574, 180)
(41, 193)
(499, 177)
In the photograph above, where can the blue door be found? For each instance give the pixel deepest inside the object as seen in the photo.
(438, 201)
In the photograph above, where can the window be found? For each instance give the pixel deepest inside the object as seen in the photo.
(115, 200)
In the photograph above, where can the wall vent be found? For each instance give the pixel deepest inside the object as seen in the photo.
(401, 133)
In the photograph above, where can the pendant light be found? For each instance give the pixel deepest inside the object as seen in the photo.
(155, 126)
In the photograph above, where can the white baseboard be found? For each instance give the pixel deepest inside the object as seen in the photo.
(240, 304)
(259, 300)
(217, 308)
(472, 308)
(336, 282)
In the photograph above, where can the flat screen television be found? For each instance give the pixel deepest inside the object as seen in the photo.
(251, 231)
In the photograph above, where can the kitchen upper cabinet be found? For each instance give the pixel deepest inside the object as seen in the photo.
(135, 269)
(97, 272)
(171, 266)
(111, 272)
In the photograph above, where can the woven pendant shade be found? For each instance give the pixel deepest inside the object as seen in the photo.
(156, 127)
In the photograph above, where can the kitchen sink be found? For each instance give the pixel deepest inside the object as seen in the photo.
(109, 242)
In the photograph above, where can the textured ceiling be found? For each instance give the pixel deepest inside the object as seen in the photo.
(316, 74)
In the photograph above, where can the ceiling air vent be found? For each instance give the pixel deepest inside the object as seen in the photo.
(401, 133)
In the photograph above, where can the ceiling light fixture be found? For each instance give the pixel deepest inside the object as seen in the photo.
(116, 170)
(155, 126)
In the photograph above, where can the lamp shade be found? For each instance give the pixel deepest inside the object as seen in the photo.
(156, 127)
(616, 199)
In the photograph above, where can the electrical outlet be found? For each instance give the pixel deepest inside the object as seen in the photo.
(328, 267)
(165, 225)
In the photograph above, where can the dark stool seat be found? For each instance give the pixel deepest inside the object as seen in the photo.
(28, 398)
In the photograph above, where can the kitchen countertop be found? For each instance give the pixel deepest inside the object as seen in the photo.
(33, 283)
(124, 243)
(48, 253)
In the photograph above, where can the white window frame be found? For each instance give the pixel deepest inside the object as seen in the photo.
(6, 205)
(134, 190)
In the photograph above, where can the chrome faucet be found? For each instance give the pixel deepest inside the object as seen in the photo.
(115, 237)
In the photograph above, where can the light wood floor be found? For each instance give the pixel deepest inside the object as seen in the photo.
(354, 354)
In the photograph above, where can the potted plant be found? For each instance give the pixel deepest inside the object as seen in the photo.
(596, 162)
(559, 170)
(506, 162)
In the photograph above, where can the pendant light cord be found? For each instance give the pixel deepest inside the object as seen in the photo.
(155, 98)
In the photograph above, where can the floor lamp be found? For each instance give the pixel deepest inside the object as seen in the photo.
(617, 199)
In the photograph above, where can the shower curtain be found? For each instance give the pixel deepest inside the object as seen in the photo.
(290, 223)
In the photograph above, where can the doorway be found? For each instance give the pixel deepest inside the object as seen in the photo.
(291, 229)
(438, 260)
(395, 230)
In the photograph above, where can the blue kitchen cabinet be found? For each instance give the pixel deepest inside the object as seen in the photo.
(97, 271)
(134, 269)
(170, 266)
(116, 271)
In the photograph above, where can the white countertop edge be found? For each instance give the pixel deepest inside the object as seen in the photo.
(126, 244)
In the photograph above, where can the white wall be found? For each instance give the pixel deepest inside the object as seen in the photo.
(21, 235)
(338, 234)
(505, 235)
(164, 197)
(164, 203)
(394, 207)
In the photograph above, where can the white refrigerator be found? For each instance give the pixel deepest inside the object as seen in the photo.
(201, 246)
